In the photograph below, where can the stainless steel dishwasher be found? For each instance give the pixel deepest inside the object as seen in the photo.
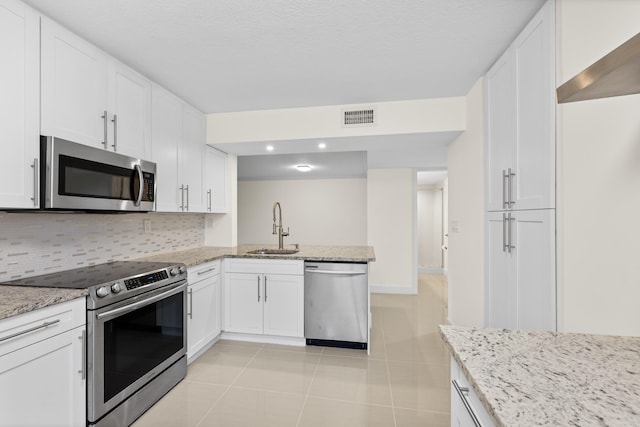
(336, 304)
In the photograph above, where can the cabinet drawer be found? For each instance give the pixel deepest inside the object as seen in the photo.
(203, 271)
(26, 329)
(264, 266)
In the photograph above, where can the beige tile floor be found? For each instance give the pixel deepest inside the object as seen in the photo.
(403, 382)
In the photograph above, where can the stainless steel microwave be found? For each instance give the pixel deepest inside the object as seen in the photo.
(79, 177)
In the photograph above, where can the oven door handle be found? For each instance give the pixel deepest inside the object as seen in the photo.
(137, 304)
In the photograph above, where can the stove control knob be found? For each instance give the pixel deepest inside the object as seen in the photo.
(116, 287)
(102, 292)
(174, 271)
(182, 269)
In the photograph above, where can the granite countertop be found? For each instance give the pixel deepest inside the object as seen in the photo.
(529, 378)
(15, 300)
(196, 256)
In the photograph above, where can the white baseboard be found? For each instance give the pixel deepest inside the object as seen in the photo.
(430, 270)
(400, 290)
(265, 339)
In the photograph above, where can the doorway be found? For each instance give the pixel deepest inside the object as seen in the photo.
(431, 216)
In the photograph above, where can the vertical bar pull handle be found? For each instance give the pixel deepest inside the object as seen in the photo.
(187, 190)
(190, 309)
(104, 125)
(115, 132)
(258, 288)
(504, 232)
(181, 197)
(505, 197)
(511, 246)
(209, 200)
(510, 189)
(36, 182)
(83, 369)
(265, 288)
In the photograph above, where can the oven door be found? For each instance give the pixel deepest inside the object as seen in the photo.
(131, 342)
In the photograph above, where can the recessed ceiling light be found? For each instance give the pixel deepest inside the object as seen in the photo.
(322, 146)
(303, 168)
(269, 147)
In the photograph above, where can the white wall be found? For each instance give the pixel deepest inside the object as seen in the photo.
(399, 117)
(445, 224)
(318, 212)
(598, 179)
(466, 216)
(390, 229)
(429, 222)
(222, 229)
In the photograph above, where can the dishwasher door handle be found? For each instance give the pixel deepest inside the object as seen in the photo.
(335, 272)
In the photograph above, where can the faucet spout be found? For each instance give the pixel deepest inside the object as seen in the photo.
(277, 225)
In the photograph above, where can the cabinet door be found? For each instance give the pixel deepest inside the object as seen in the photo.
(284, 305)
(501, 129)
(215, 171)
(500, 309)
(129, 112)
(43, 385)
(203, 320)
(166, 133)
(243, 296)
(534, 182)
(193, 143)
(74, 87)
(534, 255)
(19, 104)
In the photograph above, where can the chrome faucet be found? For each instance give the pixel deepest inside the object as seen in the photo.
(278, 229)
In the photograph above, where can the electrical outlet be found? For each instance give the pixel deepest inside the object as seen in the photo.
(146, 225)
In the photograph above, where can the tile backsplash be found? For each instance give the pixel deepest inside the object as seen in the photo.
(40, 243)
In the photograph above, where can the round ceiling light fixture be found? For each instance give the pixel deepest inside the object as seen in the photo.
(269, 147)
(322, 146)
(303, 168)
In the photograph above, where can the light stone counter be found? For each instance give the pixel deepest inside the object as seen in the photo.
(196, 256)
(529, 378)
(16, 300)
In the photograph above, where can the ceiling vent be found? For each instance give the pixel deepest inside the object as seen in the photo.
(363, 117)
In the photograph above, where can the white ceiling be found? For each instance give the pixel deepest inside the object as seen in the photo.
(349, 164)
(238, 55)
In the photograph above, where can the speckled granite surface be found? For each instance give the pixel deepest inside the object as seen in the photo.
(192, 257)
(555, 379)
(16, 300)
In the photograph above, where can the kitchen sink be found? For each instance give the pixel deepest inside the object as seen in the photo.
(273, 251)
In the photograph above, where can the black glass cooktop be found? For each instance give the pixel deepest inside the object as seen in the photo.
(95, 275)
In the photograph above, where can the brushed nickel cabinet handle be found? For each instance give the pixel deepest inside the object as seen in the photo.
(83, 369)
(36, 183)
(104, 125)
(258, 288)
(115, 132)
(462, 392)
(26, 331)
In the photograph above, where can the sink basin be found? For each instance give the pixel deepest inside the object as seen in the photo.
(274, 251)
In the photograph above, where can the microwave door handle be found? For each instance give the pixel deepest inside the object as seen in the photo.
(141, 188)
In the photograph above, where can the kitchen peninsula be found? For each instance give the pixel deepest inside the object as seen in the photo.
(526, 378)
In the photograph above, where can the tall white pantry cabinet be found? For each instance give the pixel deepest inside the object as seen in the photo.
(520, 290)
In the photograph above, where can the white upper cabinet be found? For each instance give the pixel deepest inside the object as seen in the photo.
(521, 120)
(130, 112)
(74, 87)
(215, 173)
(90, 98)
(193, 143)
(19, 105)
(178, 133)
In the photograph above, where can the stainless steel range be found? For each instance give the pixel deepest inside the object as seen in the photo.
(136, 334)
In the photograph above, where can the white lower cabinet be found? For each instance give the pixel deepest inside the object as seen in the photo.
(466, 408)
(203, 308)
(42, 367)
(521, 286)
(264, 297)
